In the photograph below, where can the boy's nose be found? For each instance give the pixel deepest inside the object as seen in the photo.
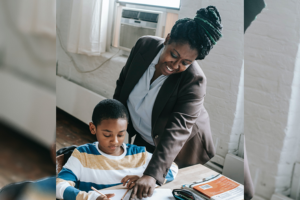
(115, 140)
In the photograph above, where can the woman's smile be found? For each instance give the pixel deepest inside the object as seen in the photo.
(169, 69)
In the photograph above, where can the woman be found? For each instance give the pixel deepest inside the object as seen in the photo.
(163, 88)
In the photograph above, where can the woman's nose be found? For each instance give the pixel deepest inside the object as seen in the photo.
(176, 65)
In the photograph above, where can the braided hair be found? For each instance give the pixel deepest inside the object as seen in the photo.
(201, 33)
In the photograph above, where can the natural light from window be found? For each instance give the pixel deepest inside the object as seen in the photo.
(163, 3)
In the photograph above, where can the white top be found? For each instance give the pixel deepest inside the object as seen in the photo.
(110, 156)
(141, 100)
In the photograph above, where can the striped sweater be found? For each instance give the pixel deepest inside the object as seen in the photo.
(88, 166)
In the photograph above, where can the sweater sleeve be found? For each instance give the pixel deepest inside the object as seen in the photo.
(68, 178)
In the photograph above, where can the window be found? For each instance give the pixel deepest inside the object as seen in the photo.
(172, 4)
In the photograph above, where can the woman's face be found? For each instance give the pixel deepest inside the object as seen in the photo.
(175, 58)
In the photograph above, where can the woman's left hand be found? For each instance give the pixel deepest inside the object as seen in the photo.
(144, 187)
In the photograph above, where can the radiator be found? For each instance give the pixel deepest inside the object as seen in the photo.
(75, 99)
(234, 168)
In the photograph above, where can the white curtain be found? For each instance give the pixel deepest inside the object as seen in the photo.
(88, 27)
(37, 17)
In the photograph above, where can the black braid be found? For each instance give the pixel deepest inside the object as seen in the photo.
(200, 33)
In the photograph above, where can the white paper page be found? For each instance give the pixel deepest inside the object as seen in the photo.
(161, 194)
(234, 194)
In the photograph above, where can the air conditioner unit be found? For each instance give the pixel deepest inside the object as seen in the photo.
(135, 23)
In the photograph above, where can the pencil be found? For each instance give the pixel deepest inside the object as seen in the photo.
(98, 191)
(125, 194)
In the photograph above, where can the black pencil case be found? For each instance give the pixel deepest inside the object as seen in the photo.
(182, 194)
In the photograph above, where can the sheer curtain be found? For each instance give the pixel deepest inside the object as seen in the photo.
(37, 17)
(88, 27)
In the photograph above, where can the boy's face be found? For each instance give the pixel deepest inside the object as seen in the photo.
(110, 134)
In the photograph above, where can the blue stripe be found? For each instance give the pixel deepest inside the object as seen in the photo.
(169, 176)
(47, 184)
(86, 186)
(89, 149)
(67, 175)
(133, 149)
(70, 193)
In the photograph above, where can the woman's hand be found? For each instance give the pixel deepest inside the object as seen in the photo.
(144, 187)
(108, 196)
(131, 180)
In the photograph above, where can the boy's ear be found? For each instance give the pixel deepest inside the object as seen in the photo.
(92, 128)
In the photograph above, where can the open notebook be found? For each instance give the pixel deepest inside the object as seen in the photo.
(161, 194)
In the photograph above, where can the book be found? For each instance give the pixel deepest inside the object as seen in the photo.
(219, 188)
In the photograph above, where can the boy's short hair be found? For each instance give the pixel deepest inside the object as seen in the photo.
(109, 109)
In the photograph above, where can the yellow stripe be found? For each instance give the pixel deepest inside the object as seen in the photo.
(76, 154)
(82, 196)
(102, 163)
(59, 180)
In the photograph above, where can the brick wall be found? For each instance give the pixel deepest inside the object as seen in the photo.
(222, 68)
(271, 47)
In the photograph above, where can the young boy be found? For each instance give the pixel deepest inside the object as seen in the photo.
(107, 162)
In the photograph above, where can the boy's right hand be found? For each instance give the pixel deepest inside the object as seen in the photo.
(130, 180)
(108, 196)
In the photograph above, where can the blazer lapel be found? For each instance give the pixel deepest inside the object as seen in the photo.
(136, 70)
(139, 65)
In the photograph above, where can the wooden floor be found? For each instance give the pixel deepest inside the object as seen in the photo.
(71, 131)
(22, 158)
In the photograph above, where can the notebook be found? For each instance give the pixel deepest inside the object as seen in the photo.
(161, 194)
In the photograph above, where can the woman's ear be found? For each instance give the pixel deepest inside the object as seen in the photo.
(167, 39)
(92, 128)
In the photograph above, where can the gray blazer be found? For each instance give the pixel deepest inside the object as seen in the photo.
(180, 123)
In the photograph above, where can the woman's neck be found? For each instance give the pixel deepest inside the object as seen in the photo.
(156, 74)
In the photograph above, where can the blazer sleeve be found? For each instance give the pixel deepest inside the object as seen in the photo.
(124, 71)
(178, 128)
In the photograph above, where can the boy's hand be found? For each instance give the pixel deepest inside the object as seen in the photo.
(108, 196)
(131, 180)
(144, 187)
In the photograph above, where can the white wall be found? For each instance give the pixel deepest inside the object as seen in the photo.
(222, 67)
(271, 47)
